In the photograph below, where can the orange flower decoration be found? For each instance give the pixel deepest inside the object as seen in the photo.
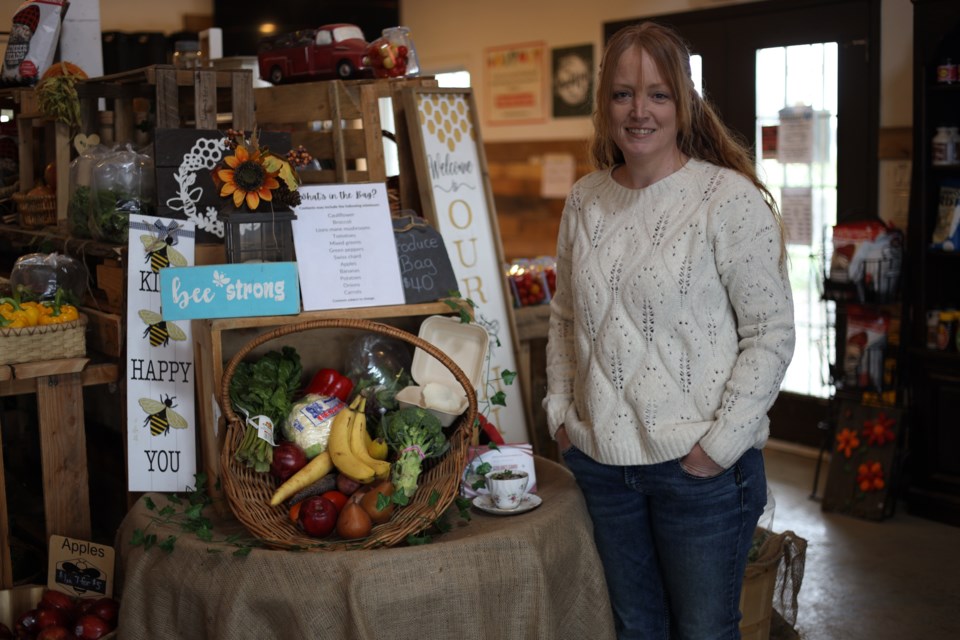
(847, 441)
(879, 431)
(248, 178)
(870, 476)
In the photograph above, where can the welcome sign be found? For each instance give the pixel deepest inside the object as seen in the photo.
(230, 291)
(451, 173)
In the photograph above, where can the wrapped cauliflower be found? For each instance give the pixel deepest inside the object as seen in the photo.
(308, 425)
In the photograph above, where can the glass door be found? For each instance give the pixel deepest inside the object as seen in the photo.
(796, 143)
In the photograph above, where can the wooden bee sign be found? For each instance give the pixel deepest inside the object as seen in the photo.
(161, 415)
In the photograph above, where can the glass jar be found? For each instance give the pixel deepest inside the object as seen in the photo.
(946, 71)
(946, 330)
(187, 55)
(393, 55)
(943, 148)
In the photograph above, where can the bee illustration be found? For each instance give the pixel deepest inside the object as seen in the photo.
(160, 252)
(160, 331)
(161, 416)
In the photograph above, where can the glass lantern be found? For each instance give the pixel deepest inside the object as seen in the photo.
(258, 236)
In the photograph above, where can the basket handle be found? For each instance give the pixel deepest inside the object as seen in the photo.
(341, 323)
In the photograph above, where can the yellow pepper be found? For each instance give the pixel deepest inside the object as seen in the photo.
(34, 310)
(65, 313)
(14, 315)
(57, 312)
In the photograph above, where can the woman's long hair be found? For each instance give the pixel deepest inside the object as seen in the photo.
(700, 132)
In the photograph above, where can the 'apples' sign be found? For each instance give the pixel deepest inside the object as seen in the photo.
(230, 291)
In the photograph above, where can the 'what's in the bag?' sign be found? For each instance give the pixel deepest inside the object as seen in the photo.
(230, 291)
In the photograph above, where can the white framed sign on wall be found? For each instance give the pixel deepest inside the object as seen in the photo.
(455, 194)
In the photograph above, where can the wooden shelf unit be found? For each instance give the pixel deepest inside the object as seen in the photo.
(200, 99)
(58, 385)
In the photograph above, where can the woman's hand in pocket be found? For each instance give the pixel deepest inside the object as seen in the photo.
(698, 463)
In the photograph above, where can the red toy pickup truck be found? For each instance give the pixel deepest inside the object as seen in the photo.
(327, 52)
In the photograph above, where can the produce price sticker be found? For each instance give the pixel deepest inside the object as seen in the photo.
(161, 435)
(346, 253)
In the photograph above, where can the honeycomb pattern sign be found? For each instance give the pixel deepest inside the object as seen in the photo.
(446, 118)
(462, 214)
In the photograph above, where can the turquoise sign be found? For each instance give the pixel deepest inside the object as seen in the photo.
(230, 291)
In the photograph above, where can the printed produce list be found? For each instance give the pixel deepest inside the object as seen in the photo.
(346, 252)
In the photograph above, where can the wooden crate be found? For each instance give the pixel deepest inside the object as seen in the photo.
(202, 99)
(41, 140)
(339, 123)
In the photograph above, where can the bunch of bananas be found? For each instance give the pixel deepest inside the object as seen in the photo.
(350, 444)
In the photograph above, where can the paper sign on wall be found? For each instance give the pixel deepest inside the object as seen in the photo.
(230, 291)
(161, 429)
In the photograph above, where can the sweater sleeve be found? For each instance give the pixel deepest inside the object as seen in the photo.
(561, 351)
(747, 251)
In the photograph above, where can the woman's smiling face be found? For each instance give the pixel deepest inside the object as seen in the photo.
(643, 113)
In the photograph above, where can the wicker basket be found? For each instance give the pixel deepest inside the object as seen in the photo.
(249, 492)
(36, 211)
(44, 342)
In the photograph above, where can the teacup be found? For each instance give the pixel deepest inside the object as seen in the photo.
(507, 488)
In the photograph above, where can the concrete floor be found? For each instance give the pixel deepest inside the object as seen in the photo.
(898, 579)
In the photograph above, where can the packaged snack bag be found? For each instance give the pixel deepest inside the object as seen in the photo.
(34, 33)
(865, 343)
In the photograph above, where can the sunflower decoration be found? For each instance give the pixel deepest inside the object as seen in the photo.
(253, 174)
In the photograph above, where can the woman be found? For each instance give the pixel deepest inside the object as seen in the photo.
(670, 331)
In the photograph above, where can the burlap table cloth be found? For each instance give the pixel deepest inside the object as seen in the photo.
(529, 575)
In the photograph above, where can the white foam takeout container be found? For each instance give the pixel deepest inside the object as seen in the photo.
(466, 344)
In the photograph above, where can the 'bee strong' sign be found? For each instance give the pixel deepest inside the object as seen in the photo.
(230, 291)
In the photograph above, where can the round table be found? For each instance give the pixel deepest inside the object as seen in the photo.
(528, 575)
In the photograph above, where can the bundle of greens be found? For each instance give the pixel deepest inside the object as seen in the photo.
(265, 387)
(415, 434)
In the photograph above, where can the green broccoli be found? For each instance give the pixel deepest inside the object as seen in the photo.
(416, 434)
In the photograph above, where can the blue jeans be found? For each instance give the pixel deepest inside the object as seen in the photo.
(674, 546)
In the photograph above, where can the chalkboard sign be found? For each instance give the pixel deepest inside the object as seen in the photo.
(424, 263)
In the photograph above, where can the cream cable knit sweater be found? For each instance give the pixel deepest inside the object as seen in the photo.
(672, 323)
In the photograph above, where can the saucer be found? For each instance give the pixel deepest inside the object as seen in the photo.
(484, 503)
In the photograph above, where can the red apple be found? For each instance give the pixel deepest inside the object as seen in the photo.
(288, 458)
(318, 516)
(26, 624)
(52, 618)
(106, 608)
(53, 599)
(91, 627)
(83, 605)
(56, 633)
